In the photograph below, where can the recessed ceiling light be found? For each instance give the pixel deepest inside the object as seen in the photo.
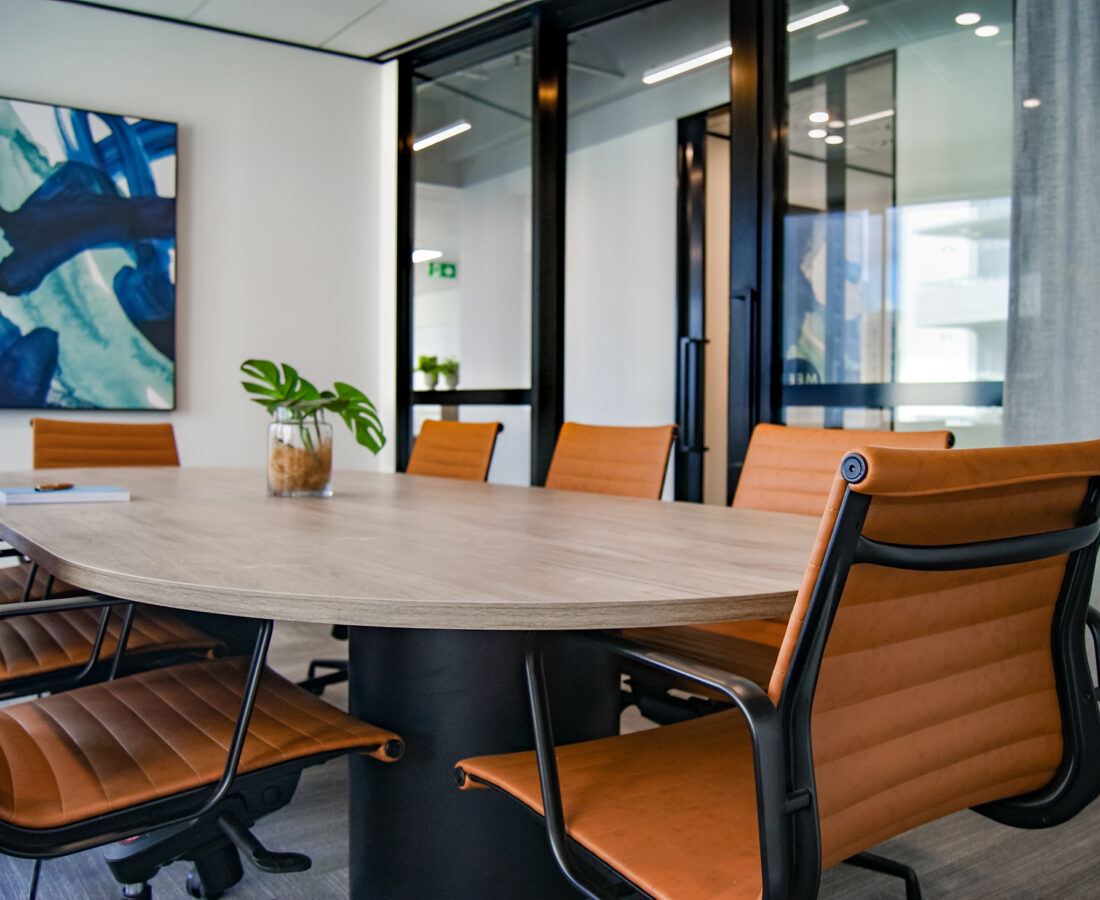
(987, 31)
(1032, 102)
(420, 256)
(834, 139)
(840, 29)
(968, 18)
(819, 117)
(870, 117)
(433, 138)
(836, 123)
(817, 133)
(806, 21)
(680, 66)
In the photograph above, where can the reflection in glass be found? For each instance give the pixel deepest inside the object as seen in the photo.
(896, 250)
(621, 201)
(472, 213)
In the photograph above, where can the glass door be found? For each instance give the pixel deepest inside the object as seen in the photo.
(471, 255)
(896, 251)
(631, 79)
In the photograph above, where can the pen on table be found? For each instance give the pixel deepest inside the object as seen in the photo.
(60, 486)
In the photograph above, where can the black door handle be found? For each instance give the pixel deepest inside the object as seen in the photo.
(689, 439)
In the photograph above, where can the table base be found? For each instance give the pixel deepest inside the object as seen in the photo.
(453, 694)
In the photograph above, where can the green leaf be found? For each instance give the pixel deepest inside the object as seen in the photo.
(282, 386)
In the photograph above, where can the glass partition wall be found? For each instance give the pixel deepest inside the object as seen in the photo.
(471, 255)
(869, 156)
(896, 250)
(631, 79)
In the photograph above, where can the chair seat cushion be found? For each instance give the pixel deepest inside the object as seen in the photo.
(52, 642)
(672, 809)
(748, 648)
(101, 748)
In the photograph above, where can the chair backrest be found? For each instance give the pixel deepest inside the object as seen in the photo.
(791, 470)
(64, 444)
(608, 459)
(919, 677)
(454, 449)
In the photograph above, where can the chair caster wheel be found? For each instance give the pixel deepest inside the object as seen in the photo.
(196, 889)
(137, 892)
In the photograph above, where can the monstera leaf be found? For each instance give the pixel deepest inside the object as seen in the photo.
(281, 387)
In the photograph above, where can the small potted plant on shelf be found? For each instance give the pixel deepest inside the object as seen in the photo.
(449, 370)
(299, 443)
(429, 365)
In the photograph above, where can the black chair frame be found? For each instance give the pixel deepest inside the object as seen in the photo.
(789, 829)
(191, 805)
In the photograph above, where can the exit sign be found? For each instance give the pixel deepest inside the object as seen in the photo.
(442, 270)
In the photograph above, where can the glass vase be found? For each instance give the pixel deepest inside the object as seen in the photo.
(299, 458)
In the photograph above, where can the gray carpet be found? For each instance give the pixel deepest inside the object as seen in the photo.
(964, 856)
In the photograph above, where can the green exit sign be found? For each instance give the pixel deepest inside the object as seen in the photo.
(442, 270)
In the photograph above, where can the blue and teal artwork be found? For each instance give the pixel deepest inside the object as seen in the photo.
(87, 259)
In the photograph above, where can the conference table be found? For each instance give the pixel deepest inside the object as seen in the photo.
(440, 581)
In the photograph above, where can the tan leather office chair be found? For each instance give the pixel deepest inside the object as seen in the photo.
(40, 653)
(454, 449)
(188, 757)
(788, 470)
(608, 459)
(935, 655)
(62, 444)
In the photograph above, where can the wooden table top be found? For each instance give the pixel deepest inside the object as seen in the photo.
(402, 550)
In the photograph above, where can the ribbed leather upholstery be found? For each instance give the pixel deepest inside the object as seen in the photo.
(673, 808)
(64, 444)
(454, 450)
(604, 459)
(71, 756)
(787, 470)
(791, 470)
(936, 691)
(49, 642)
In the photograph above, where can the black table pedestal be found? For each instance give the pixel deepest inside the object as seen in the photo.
(453, 694)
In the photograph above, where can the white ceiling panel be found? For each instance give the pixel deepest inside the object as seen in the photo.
(360, 27)
(288, 20)
(395, 22)
(171, 9)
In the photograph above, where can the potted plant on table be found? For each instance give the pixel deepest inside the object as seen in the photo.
(299, 443)
(429, 365)
(449, 370)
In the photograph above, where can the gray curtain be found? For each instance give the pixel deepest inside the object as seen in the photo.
(1052, 382)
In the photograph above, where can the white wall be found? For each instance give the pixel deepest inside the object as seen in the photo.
(285, 212)
(620, 280)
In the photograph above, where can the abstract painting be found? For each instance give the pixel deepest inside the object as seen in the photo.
(87, 259)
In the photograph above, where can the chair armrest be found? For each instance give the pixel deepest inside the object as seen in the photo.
(762, 719)
(87, 601)
(61, 604)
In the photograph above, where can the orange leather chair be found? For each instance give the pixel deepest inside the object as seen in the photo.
(935, 660)
(788, 470)
(47, 652)
(63, 444)
(188, 757)
(454, 449)
(607, 459)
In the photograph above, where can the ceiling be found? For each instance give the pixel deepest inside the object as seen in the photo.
(363, 28)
